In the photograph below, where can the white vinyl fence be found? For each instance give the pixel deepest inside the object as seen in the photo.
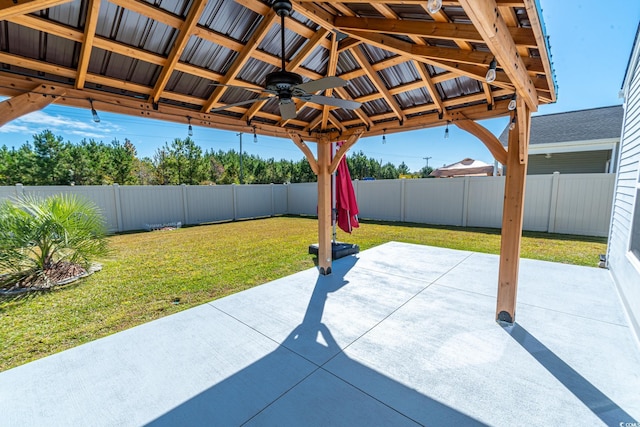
(568, 204)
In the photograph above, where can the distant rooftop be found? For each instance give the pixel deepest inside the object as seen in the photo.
(581, 125)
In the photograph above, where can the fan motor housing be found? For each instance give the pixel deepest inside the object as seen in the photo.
(282, 80)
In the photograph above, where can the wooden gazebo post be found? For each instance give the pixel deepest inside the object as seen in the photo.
(492, 27)
(323, 167)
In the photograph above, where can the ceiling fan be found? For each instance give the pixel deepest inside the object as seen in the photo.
(286, 85)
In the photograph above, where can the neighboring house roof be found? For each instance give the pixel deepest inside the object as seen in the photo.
(466, 167)
(603, 123)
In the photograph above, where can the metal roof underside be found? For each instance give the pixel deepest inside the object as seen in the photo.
(409, 68)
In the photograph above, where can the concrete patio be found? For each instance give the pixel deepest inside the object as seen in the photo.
(398, 335)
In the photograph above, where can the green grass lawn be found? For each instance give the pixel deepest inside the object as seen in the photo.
(149, 271)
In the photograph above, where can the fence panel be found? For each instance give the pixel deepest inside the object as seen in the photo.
(303, 198)
(253, 200)
(434, 201)
(584, 204)
(9, 192)
(102, 196)
(570, 204)
(537, 203)
(279, 199)
(150, 204)
(380, 199)
(484, 201)
(209, 203)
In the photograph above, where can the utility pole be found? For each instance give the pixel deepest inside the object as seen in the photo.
(427, 159)
(241, 177)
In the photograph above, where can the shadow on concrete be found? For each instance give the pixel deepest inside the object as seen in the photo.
(601, 405)
(317, 396)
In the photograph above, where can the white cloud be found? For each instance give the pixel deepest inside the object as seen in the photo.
(60, 125)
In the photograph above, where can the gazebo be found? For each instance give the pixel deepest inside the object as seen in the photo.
(401, 65)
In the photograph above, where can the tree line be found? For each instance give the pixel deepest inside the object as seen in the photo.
(49, 160)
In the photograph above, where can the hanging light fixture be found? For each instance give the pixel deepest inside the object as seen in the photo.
(255, 135)
(446, 131)
(512, 125)
(491, 74)
(384, 136)
(94, 113)
(433, 6)
(190, 127)
(512, 103)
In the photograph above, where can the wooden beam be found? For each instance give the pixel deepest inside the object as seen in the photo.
(38, 98)
(378, 83)
(342, 151)
(512, 216)
(324, 206)
(433, 30)
(14, 85)
(91, 21)
(487, 20)
(197, 7)
(242, 59)
(483, 134)
(10, 8)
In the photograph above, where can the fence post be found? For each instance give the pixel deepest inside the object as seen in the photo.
(553, 205)
(116, 198)
(185, 205)
(234, 201)
(402, 198)
(273, 202)
(19, 190)
(465, 201)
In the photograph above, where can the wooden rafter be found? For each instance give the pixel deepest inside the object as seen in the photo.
(331, 71)
(429, 85)
(378, 83)
(178, 47)
(10, 8)
(242, 59)
(484, 14)
(87, 43)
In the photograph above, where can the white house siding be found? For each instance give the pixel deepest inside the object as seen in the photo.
(620, 260)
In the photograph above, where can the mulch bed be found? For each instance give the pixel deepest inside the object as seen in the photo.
(61, 273)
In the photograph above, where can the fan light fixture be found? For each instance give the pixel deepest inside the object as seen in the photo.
(190, 127)
(94, 113)
(512, 103)
(433, 6)
(491, 74)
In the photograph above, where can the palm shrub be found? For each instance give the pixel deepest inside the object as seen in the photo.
(42, 238)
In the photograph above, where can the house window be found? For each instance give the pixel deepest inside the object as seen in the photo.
(634, 244)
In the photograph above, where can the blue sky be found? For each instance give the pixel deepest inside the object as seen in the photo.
(590, 45)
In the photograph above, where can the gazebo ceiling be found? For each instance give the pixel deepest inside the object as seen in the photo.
(409, 68)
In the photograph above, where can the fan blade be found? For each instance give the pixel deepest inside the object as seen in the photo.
(288, 110)
(321, 84)
(235, 104)
(332, 102)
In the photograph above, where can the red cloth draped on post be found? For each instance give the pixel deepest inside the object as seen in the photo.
(346, 205)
